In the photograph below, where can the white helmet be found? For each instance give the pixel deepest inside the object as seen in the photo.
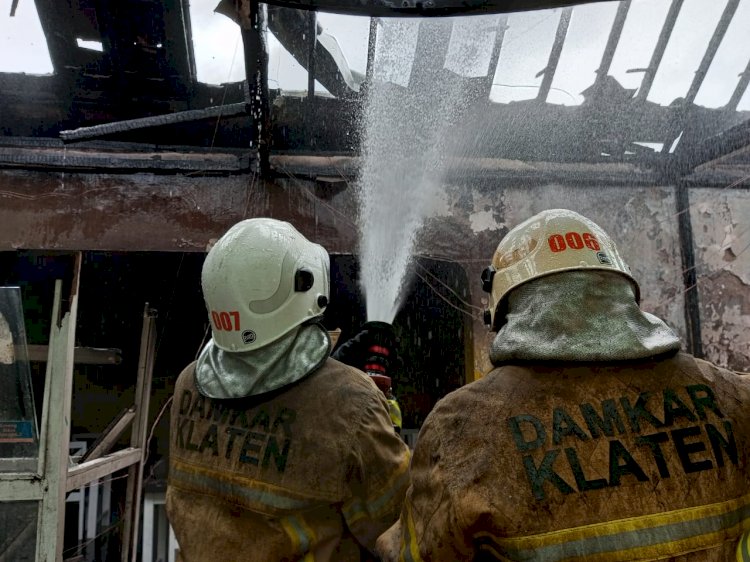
(549, 242)
(261, 280)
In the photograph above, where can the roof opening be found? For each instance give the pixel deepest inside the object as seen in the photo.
(590, 26)
(692, 32)
(92, 45)
(524, 54)
(730, 61)
(22, 35)
(395, 45)
(284, 72)
(217, 44)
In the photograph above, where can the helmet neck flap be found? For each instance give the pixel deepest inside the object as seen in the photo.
(579, 316)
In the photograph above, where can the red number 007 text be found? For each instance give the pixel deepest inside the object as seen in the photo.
(227, 321)
(572, 240)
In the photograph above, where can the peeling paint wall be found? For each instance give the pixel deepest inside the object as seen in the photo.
(721, 232)
(149, 212)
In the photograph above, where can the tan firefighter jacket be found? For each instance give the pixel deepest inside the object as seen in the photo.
(313, 471)
(605, 462)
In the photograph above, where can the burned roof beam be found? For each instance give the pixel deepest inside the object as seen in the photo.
(312, 31)
(251, 20)
(739, 91)
(292, 29)
(468, 169)
(53, 17)
(554, 56)
(179, 40)
(187, 25)
(124, 161)
(658, 54)
(371, 42)
(502, 27)
(715, 147)
(682, 114)
(433, 41)
(612, 41)
(713, 46)
(155, 121)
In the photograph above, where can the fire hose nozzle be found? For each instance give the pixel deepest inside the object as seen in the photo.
(378, 358)
(381, 348)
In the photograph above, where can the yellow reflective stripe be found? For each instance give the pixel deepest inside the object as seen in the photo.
(409, 546)
(301, 535)
(356, 509)
(743, 548)
(395, 412)
(259, 496)
(663, 534)
(292, 533)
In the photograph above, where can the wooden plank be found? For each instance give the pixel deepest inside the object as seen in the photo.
(131, 515)
(20, 487)
(81, 355)
(56, 421)
(89, 471)
(110, 435)
(188, 116)
(722, 177)
(128, 212)
(500, 169)
(72, 158)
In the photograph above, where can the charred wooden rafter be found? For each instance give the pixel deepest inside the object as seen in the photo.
(48, 154)
(155, 121)
(554, 56)
(740, 90)
(684, 110)
(658, 54)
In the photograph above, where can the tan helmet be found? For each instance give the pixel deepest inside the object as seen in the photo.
(552, 241)
(261, 280)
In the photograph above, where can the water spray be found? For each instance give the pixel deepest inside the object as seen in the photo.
(408, 139)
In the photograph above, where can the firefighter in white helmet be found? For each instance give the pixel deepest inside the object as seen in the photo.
(593, 438)
(277, 452)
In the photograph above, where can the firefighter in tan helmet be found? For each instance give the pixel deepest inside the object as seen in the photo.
(593, 438)
(277, 451)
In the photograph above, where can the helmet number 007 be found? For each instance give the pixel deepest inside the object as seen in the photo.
(226, 321)
(572, 240)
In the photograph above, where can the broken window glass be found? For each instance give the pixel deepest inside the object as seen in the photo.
(19, 441)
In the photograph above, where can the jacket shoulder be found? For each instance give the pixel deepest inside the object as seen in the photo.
(186, 376)
(347, 386)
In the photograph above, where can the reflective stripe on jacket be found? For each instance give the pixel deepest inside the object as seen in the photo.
(311, 472)
(603, 462)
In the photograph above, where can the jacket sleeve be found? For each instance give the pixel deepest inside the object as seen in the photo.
(430, 528)
(378, 474)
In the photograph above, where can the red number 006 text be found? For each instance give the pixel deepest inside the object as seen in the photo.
(572, 240)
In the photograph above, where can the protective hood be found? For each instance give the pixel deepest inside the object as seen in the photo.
(225, 374)
(579, 316)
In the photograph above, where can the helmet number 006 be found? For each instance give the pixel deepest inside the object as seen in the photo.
(572, 240)
(226, 321)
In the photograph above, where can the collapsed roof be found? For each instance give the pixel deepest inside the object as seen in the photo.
(142, 90)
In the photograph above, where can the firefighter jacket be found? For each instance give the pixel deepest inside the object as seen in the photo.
(642, 460)
(312, 471)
